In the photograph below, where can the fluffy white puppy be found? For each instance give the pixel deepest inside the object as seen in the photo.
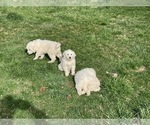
(86, 81)
(42, 47)
(68, 62)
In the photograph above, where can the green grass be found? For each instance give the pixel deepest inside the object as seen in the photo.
(114, 39)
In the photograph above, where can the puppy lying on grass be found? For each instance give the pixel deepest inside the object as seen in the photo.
(86, 81)
(42, 47)
(68, 62)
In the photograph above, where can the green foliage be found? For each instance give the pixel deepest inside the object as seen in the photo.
(113, 39)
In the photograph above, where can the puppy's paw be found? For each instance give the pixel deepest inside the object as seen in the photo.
(98, 89)
(50, 61)
(60, 68)
(73, 73)
(66, 74)
(88, 93)
(35, 59)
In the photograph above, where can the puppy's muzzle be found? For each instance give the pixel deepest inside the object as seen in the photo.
(69, 57)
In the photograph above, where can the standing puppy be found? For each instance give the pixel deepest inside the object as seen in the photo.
(68, 62)
(42, 47)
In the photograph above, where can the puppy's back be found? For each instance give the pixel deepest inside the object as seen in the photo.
(86, 76)
(51, 43)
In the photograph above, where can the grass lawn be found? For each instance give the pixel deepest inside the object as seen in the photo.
(113, 39)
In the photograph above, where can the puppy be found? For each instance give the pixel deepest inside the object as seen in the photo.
(86, 81)
(42, 47)
(68, 62)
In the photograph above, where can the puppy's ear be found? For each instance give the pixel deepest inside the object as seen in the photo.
(58, 45)
(64, 53)
(74, 54)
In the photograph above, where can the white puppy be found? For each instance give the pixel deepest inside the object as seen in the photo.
(68, 62)
(42, 47)
(86, 81)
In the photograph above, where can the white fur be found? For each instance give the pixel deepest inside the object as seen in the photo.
(86, 81)
(42, 47)
(68, 62)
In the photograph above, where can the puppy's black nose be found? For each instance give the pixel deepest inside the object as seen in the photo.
(69, 57)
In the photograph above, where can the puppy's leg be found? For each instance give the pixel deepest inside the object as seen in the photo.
(88, 92)
(42, 56)
(53, 58)
(97, 89)
(79, 92)
(73, 70)
(60, 67)
(37, 56)
(59, 55)
(66, 71)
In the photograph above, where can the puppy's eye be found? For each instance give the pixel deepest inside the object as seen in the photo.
(81, 89)
(67, 54)
(70, 54)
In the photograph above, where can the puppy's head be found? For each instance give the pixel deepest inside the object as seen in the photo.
(69, 54)
(80, 87)
(80, 91)
(30, 48)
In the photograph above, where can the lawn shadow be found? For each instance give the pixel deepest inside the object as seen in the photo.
(73, 80)
(47, 57)
(9, 105)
